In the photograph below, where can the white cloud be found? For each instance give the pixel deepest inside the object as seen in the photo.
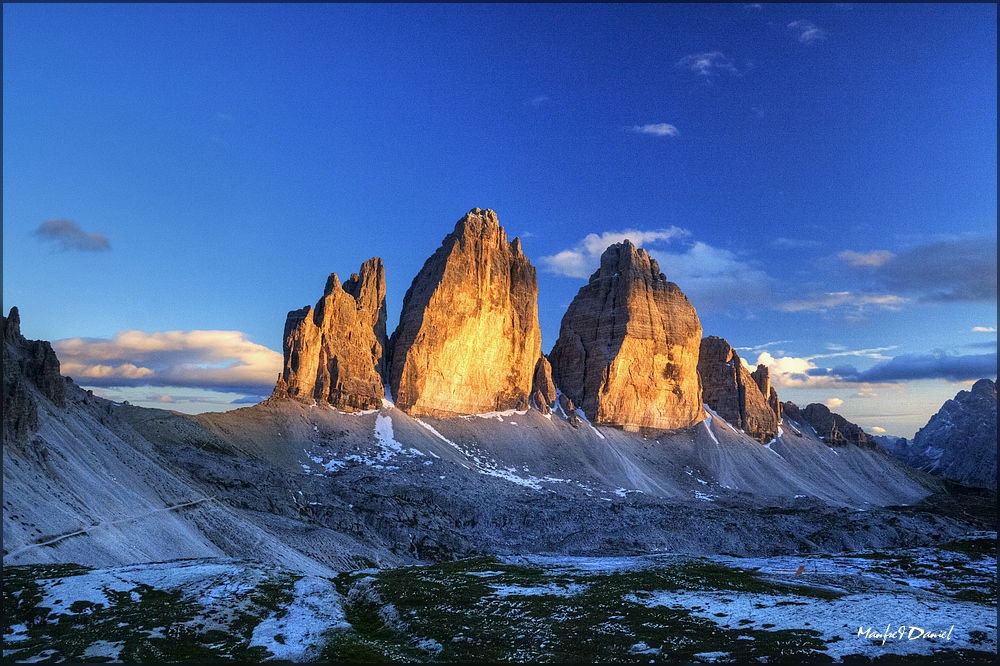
(833, 403)
(844, 299)
(657, 129)
(707, 64)
(984, 329)
(877, 430)
(222, 360)
(807, 32)
(585, 257)
(874, 258)
(714, 278)
(840, 350)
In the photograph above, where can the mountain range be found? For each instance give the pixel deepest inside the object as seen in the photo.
(457, 436)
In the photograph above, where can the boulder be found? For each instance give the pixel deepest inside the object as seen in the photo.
(740, 397)
(468, 340)
(627, 352)
(335, 352)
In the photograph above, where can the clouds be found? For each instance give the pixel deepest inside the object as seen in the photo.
(795, 372)
(714, 278)
(70, 236)
(216, 360)
(908, 367)
(807, 32)
(984, 329)
(874, 259)
(946, 271)
(585, 257)
(657, 129)
(858, 302)
(707, 64)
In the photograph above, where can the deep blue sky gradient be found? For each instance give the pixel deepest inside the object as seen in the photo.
(236, 155)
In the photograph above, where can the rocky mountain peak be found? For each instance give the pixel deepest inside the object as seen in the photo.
(625, 259)
(628, 346)
(27, 363)
(742, 398)
(12, 327)
(468, 339)
(986, 388)
(831, 427)
(334, 352)
(960, 441)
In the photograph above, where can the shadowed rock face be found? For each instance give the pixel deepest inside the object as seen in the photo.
(335, 353)
(627, 352)
(832, 428)
(468, 339)
(27, 361)
(746, 400)
(960, 441)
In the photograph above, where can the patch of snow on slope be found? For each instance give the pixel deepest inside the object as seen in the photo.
(314, 610)
(708, 424)
(387, 401)
(551, 589)
(579, 412)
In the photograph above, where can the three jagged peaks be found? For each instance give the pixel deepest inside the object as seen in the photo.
(629, 353)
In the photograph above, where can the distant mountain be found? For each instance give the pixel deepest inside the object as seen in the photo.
(960, 441)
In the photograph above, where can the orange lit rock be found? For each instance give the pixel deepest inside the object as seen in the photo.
(627, 352)
(334, 353)
(468, 339)
(734, 393)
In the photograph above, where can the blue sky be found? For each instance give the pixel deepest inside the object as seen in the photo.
(819, 179)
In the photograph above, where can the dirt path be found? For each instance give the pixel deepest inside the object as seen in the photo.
(17, 552)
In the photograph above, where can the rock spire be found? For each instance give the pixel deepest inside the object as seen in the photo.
(744, 399)
(335, 352)
(628, 345)
(468, 339)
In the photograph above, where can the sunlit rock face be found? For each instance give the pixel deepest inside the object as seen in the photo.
(335, 352)
(468, 339)
(627, 352)
(744, 399)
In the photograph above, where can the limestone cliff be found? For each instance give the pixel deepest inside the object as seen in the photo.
(744, 399)
(468, 339)
(627, 351)
(27, 362)
(960, 441)
(335, 352)
(832, 428)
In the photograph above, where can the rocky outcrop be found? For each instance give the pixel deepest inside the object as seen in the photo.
(832, 428)
(543, 390)
(960, 441)
(335, 352)
(744, 399)
(627, 351)
(468, 339)
(762, 377)
(26, 363)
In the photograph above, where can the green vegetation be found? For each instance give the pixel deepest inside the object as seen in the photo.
(138, 625)
(485, 610)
